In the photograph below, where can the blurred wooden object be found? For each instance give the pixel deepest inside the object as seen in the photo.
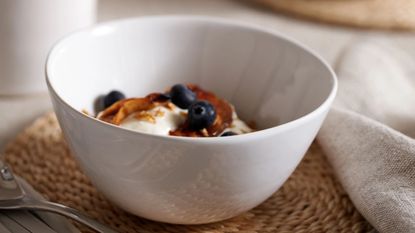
(380, 14)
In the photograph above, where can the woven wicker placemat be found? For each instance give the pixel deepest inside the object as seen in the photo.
(384, 14)
(312, 200)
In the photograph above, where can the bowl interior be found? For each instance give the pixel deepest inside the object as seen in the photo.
(268, 78)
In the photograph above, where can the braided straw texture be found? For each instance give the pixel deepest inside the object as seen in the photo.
(312, 200)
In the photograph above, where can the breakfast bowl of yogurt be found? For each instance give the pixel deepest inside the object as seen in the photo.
(187, 120)
(184, 110)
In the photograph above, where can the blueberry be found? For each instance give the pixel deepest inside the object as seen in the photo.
(113, 97)
(182, 96)
(228, 133)
(165, 96)
(201, 115)
(99, 104)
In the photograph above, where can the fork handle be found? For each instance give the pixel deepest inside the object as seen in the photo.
(70, 213)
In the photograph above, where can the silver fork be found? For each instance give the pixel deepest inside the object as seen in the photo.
(12, 197)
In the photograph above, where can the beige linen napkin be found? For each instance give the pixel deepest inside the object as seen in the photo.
(368, 135)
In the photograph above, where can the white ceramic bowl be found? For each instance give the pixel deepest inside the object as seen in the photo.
(281, 85)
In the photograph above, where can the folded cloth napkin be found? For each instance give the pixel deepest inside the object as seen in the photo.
(369, 134)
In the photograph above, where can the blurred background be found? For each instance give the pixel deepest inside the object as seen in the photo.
(326, 26)
(369, 43)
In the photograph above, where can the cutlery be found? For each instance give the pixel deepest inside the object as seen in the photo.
(12, 225)
(12, 197)
(3, 228)
(57, 222)
(28, 221)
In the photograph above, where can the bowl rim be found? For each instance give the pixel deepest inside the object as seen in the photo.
(325, 105)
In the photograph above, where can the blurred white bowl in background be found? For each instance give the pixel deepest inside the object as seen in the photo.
(28, 30)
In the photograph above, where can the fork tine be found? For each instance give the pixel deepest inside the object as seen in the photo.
(56, 222)
(29, 221)
(3, 228)
(10, 224)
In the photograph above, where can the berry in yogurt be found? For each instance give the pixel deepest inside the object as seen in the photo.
(184, 110)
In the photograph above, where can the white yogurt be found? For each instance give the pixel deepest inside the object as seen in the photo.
(165, 119)
(238, 126)
(161, 120)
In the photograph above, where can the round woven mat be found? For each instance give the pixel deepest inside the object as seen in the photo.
(310, 201)
(385, 14)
